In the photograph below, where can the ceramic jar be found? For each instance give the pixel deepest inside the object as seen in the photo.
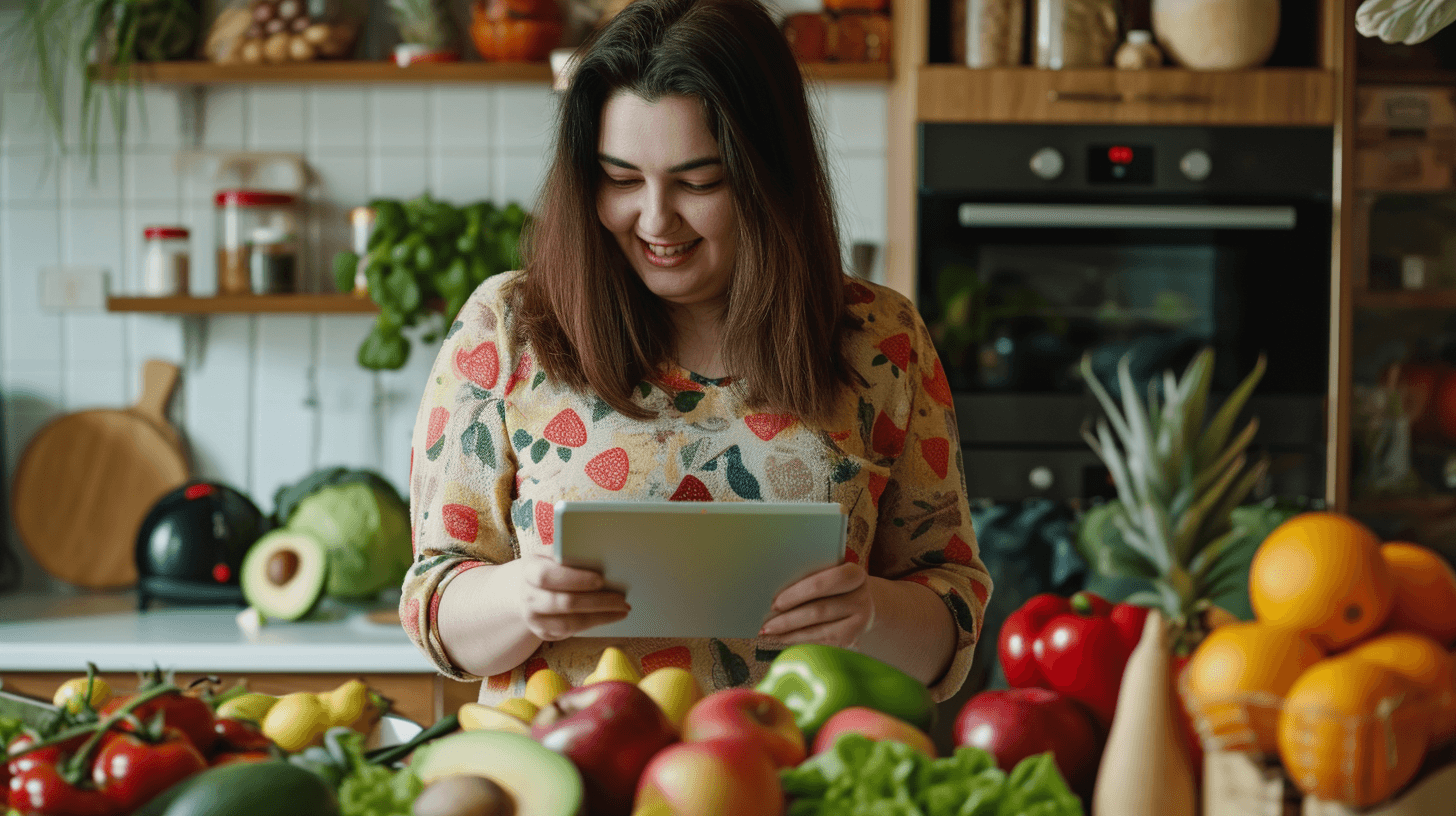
(1216, 35)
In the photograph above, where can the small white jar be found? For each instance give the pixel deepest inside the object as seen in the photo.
(166, 260)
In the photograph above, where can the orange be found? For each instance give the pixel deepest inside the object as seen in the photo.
(1322, 574)
(1422, 661)
(1425, 591)
(1236, 680)
(1349, 734)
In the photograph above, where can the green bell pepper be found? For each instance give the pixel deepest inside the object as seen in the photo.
(816, 681)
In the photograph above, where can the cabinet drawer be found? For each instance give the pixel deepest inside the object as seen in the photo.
(1282, 96)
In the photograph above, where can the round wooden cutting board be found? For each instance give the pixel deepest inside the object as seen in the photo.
(86, 480)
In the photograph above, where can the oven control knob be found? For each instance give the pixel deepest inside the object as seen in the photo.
(1041, 477)
(1047, 163)
(1196, 165)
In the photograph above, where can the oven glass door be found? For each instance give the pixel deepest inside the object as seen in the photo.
(1016, 293)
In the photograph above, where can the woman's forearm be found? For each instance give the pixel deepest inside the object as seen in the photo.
(912, 630)
(482, 632)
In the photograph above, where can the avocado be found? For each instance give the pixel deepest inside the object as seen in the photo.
(540, 781)
(246, 789)
(284, 573)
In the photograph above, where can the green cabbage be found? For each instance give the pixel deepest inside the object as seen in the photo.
(365, 529)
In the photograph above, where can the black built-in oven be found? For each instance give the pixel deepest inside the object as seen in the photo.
(1039, 244)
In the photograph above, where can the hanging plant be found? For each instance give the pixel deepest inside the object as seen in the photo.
(100, 39)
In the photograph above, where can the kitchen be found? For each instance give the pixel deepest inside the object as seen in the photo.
(267, 399)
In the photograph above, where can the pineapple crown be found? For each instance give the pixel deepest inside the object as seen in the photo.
(1178, 480)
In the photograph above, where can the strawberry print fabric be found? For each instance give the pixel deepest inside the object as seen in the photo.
(496, 443)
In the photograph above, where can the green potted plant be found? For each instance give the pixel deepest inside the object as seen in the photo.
(98, 38)
(424, 257)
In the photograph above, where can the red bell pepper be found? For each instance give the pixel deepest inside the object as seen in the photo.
(1078, 646)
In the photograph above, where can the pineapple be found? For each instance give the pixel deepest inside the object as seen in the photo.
(1178, 484)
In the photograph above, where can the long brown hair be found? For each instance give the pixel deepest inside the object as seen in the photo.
(592, 322)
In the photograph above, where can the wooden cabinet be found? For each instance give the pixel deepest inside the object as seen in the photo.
(1166, 96)
(423, 698)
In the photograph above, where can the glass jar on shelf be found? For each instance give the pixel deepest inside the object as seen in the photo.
(166, 258)
(258, 240)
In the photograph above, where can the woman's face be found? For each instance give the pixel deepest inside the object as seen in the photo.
(665, 198)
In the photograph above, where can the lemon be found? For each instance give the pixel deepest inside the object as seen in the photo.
(72, 694)
(296, 720)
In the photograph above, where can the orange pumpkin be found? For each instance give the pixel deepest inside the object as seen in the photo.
(515, 30)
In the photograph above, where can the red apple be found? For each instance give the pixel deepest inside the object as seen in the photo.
(748, 713)
(877, 725)
(724, 776)
(1017, 723)
(609, 730)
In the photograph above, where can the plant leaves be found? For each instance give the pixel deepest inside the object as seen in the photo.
(1216, 434)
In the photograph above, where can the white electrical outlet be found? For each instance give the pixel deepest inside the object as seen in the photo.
(73, 288)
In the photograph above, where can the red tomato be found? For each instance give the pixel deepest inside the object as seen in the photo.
(239, 735)
(190, 715)
(22, 760)
(130, 771)
(39, 790)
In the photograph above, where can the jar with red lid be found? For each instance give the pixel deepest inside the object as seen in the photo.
(258, 237)
(166, 258)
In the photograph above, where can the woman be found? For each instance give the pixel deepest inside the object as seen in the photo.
(683, 330)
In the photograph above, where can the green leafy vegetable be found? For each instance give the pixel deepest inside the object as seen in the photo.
(862, 777)
(425, 257)
(364, 788)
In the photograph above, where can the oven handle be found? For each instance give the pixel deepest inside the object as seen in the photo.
(1127, 216)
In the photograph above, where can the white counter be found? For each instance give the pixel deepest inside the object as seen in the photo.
(63, 633)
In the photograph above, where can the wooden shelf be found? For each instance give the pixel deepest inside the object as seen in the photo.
(1271, 96)
(1406, 506)
(367, 71)
(1407, 299)
(1404, 76)
(245, 304)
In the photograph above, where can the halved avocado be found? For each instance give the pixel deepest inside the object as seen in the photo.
(284, 574)
(540, 781)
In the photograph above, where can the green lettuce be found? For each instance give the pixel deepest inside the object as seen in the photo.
(858, 776)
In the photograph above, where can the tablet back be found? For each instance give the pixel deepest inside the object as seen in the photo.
(698, 569)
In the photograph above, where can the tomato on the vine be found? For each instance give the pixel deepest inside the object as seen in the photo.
(129, 770)
(22, 757)
(190, 715)
(40, 790)
(235, 736)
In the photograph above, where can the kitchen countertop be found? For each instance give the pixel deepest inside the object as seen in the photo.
(62, 632)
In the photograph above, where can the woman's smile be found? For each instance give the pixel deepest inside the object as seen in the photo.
(666, 256)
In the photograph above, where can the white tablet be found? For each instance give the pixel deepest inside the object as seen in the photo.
(698, 569)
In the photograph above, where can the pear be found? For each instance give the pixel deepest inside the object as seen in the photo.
(675, 690)
(252, 706)
(477, 717)
(346, 704)
(614, 664)
(543, 686)
(518, 707)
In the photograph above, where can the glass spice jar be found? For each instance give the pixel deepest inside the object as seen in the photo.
(166, 259)
(361, 220)
(244, 217)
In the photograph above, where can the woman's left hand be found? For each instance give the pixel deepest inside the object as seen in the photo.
(833, 606)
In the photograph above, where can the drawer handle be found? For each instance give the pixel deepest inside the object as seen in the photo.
(1084, 96)
(1173, 99)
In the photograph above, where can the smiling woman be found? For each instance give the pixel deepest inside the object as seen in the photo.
(683, 330)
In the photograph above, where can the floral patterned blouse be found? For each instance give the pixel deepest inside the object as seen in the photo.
(496, 443)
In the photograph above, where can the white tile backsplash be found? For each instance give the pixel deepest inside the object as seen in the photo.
(340, 118)
(398, 117)
(263, 400)
(278, 118)
(463, 118)
(462, 177)
(399, 175)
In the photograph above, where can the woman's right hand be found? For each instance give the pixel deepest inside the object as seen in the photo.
(557, 602)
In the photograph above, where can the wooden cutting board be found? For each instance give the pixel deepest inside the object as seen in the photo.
(86, 480)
